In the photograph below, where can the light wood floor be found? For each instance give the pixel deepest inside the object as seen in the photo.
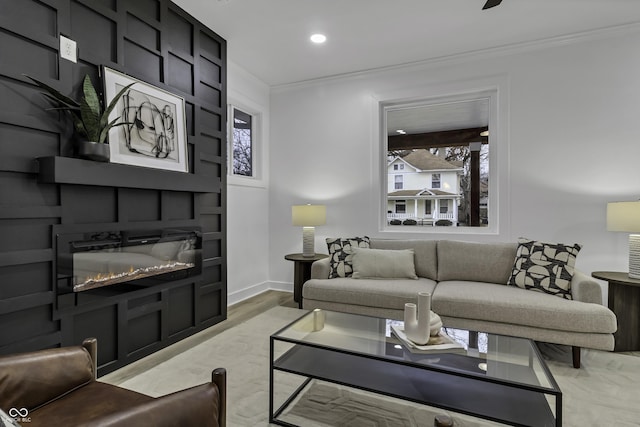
(236, 314)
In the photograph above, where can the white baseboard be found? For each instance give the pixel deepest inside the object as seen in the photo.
(251, 291)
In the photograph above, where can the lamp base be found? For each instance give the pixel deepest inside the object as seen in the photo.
(634, 256)
(308, 238)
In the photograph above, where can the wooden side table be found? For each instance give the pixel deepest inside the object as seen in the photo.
(301, 272)
(624, 301)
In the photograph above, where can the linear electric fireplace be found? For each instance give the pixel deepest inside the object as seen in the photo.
(96, 264)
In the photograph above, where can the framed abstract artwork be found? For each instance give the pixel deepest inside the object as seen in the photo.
(154, 135)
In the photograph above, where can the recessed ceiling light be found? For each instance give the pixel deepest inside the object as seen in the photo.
(318, 38)
(401, 132)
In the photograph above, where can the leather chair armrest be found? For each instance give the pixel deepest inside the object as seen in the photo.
(91, 345)
(202, 406)
(320, 269)
(585, 289)
(219, 378)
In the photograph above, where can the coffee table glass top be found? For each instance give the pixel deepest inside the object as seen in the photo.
(487, 357)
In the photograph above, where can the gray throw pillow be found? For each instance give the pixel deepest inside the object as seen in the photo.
(383, 264)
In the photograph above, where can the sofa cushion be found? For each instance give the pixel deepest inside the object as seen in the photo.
(425, 256)
(513, 305)
(544, 267)
(383, 264)
(340, 254)
(389, 293)
(479, 262)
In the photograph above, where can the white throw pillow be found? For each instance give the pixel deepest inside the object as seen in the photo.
(383, 264)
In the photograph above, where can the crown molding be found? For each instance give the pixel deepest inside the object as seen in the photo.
(459, 58)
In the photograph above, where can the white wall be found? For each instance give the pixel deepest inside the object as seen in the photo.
(573, 145)
(248, 205)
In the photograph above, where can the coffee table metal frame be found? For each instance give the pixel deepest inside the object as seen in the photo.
(451, 386)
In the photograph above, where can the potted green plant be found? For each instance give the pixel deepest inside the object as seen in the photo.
(90, 122)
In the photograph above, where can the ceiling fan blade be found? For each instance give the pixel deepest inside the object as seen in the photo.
(491, 3)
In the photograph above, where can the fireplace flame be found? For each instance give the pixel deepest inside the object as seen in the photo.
(133, 273)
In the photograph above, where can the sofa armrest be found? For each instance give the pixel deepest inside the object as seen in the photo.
(585, 289)
(320, 269)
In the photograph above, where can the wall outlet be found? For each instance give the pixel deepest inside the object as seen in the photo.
(68, 49)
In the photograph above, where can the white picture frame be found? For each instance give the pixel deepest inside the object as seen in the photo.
(155, 135)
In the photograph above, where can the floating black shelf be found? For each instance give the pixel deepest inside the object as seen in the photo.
(67, 170)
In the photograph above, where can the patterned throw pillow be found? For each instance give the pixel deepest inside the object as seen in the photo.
(544, 267)
(340, 254)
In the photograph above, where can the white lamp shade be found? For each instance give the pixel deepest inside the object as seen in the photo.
(308, 215)
(623, 216)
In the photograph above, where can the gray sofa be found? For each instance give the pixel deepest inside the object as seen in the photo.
(468, 283)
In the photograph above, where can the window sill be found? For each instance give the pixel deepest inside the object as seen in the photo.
(246, 182)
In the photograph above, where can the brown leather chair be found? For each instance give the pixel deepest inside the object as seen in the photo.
(58, 387)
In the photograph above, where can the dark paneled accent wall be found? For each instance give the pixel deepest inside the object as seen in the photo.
(154, 41)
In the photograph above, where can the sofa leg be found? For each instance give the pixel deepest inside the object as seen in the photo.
(576, 357)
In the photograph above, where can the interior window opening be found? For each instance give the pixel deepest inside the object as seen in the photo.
(445, 147)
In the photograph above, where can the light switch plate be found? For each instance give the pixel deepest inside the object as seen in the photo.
(68, 49)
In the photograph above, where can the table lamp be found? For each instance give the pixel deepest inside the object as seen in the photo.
(625, 216)
(308, 216)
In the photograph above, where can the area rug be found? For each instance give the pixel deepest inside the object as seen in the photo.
(604, 392)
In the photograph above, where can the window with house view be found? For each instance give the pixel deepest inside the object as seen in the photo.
(444, 149)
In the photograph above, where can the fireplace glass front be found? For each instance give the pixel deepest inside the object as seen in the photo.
(112, 262)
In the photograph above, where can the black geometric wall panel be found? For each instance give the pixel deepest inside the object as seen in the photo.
(44, 188)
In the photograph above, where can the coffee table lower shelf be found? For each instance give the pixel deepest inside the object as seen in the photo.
(509, 404)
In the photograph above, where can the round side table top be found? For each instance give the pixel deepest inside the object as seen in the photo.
(620, 277)
(301, 257)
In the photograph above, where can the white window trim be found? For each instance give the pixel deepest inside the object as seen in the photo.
(496, 89)
(259, 149)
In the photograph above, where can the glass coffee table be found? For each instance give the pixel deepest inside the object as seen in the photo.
(494, 377)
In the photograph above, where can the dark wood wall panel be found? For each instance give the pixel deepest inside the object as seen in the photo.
(139, 205)
(37, 143)
(85, 204)
(211, 93)
(142, 33)
(178, 26)
(180, 74)
(24, 190)
(210, 47)
(84, 325)
(148, 9)
(212, 299)
(151, 40)
(188, 110)
(211, 121)
(23, 50)
(30, 18)
(26, 323)
(25, 234)
(180, 320)
(142, 62)
(33, 278)
(95, 33)
(143, 331)
(177, 206)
